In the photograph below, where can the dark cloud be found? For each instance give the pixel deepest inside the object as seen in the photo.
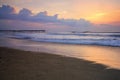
(25, 12)
(43, 17)
(8, 12)
(6, 9)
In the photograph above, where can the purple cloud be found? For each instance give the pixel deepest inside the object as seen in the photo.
(43, 17)
(6, 9)
(25, 12)
(76, 23)
(8, 12)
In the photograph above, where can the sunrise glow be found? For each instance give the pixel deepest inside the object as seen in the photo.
(65, 13)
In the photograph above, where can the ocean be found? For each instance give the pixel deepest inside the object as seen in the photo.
(103, 39)
(103, 48)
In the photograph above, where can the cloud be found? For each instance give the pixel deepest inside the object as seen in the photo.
(76, 23)
(8, 12)
(43, 17)
(25, 12)
(6, 9)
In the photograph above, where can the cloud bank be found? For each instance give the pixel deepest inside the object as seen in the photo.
(8, 12)
(25, 19)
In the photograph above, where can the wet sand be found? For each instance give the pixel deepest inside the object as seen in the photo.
(106, 55)
(25, 65)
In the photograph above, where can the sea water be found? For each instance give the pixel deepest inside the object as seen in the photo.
(103, 54)
(105, 39)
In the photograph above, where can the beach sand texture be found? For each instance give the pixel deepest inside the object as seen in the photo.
(25, 65)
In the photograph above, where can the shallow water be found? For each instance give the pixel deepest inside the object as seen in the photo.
(105, 39)
(108, 56)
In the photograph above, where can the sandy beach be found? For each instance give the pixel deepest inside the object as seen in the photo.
(59, 39)
(29, 60)
(105, 55)
(25, 65)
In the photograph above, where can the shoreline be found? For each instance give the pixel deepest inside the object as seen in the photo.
(26, 65)
(71, 43)
(105, 55)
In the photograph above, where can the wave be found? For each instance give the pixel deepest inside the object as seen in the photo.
(105, 39)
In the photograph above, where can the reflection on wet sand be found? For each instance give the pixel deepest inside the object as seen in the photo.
(99, 54)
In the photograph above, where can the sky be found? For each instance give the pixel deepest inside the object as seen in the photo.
(61, 15)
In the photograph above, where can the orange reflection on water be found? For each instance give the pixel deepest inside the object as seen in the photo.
(104, 55)
(100, 54)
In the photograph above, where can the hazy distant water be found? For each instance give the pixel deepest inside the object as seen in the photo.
(106, 39)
